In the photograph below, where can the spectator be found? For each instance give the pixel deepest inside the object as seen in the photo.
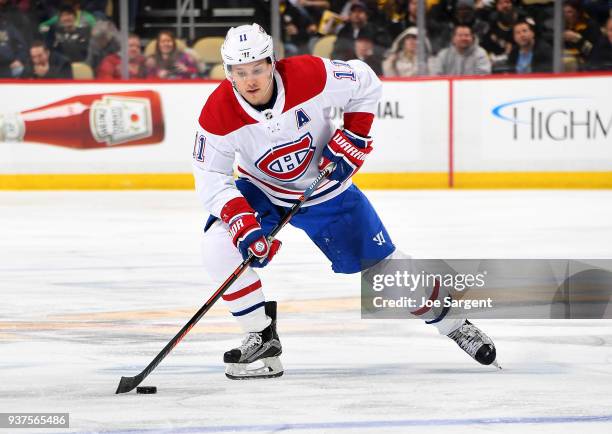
(312, 8)
(581, 32)
(345, 43)
(104, 41)
(444, 18)
(401, 15)
(18, 19)
(169, 62)
(298, 28)
(98, 8)
(463, 57)
(530, 54)
(543, 14)
(599, 10)
(601, 57)
(83, 18)
(110, 67)
(46, 64)
(498, 39)
(401, 60)
(366, 51)
(358, 21)
(13, 50)
(68, 39)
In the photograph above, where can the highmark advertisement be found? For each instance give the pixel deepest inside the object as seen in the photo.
(550, 124)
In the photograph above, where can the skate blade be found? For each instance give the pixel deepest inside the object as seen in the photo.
(497, 365)
(272, 368)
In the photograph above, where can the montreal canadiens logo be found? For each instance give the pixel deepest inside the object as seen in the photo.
(289, 161)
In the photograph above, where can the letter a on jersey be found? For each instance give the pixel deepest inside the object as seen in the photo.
(301, 117)
(289, 161)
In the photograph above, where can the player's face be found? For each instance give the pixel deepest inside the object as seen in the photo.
(254, 81)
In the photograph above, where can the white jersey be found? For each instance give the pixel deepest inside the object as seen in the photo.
(279, 149)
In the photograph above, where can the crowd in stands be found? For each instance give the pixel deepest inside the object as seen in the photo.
(463, 37)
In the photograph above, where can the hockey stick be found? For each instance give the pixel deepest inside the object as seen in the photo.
(129, 383)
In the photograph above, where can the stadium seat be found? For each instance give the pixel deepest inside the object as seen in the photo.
(82, 71)
(217, 72)
(209, 49)
(324, 46)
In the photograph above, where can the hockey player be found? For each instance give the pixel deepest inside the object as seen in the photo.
(273, 120)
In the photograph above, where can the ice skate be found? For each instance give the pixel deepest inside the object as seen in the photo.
(257, 357)
(477, 344)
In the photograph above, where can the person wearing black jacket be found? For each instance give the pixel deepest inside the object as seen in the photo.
(359, 23)
(67, 38)
(529, 54)
(45, 64)
(601, 56)
(13, 50)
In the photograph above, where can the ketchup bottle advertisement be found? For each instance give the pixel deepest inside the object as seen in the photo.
(94, 121)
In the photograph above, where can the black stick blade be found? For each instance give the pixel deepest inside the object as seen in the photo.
(127, 384)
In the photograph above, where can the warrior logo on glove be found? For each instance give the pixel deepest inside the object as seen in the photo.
(348, 151)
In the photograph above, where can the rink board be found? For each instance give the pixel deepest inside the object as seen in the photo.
(524, 132)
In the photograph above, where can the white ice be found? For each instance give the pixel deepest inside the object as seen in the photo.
(93, 285)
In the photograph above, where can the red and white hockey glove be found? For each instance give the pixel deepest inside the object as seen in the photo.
(246, 232)
(348, 151)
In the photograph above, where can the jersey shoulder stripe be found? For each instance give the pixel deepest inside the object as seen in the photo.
(222, 113)
(304, 77)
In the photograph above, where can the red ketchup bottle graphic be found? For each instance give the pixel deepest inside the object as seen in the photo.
(90, 121)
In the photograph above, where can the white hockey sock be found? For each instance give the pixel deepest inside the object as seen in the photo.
(448, 325)
(244, 298)
(246, 303)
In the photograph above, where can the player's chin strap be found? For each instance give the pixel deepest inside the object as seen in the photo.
(273, 60)
(129, 383)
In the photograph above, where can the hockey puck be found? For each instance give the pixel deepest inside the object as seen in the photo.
(146, 390)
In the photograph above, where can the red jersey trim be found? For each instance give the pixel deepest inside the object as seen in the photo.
(304, 77)
(359, 123)
(222, 113)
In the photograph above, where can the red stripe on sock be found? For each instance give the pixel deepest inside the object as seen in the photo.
(241, 293)
(434, 296)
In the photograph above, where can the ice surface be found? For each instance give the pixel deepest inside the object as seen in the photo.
(93, 285)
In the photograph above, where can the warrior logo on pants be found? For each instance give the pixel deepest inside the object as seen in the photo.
(289, 161)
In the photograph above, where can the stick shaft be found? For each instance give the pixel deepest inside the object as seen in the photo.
(129, 383)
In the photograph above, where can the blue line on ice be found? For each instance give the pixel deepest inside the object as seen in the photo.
(373, 424)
